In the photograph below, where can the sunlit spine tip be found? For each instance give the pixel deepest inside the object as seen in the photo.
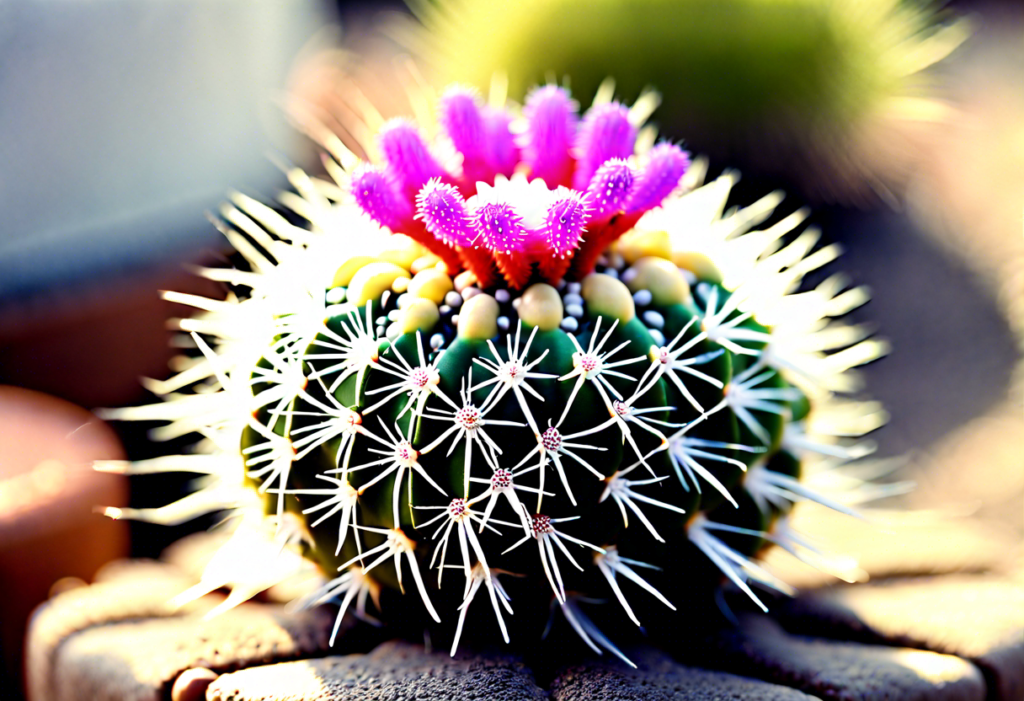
(116, 467)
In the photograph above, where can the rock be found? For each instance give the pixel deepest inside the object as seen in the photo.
(760, 648)
(948, 637)
(980, 618)
(141, 659)
(659, 678)
(122, 639)
(394, 670)
(126, 590)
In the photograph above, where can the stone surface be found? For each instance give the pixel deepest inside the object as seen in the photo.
(980, 618)
(119, 639)
(659, 678)
(393, 671)
(124, 591)
(139, 660)
(840, 670)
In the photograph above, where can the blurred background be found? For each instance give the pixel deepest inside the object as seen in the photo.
(122, 121)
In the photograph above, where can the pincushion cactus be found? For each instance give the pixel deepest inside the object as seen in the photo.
(534, 345)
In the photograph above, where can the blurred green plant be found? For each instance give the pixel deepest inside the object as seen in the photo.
(732, 72)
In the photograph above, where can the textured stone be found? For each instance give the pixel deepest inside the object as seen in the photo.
(136, 660)
(393, 671)
(659, 678)
(980, 618)
(840, 670)
(119, 639)
(124, 591)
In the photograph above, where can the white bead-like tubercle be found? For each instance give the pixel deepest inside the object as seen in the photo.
(374, 279)
(541, 306)
(608, 296)
(662, 279)
(432, 284)
(419, 315)
(478, 318)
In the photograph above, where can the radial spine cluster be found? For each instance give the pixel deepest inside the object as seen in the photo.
(534, 345)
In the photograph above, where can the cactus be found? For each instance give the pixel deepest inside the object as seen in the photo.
(602, 382)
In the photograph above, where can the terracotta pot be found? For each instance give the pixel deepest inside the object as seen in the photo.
(48, 530)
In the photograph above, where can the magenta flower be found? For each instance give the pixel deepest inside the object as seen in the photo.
(407, 157)
(605, 134)
(502, 202)
(551, 128)
(443, 211)
(666, 165)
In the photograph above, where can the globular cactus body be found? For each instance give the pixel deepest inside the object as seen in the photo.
(552, 383)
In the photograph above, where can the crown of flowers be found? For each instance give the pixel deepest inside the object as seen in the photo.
(563, 189)
(502, 200)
